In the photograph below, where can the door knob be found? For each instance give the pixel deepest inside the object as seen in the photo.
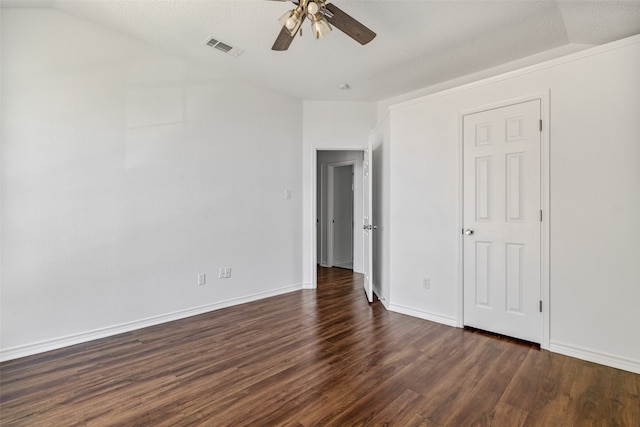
(468, 231)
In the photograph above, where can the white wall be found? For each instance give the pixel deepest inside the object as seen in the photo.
(557, 52)
(324, 159)
(594, 200)
(327, 126)
(125, 173)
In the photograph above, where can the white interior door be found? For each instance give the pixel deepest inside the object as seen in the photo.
(502, 220)
(367, 169)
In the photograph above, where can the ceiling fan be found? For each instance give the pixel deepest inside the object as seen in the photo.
(322, 16)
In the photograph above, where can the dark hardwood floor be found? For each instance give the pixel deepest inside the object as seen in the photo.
(312, 358)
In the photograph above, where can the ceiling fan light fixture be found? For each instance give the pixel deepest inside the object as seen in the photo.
(291, 21)
(319, 26)
(283, 19)
(312, 8)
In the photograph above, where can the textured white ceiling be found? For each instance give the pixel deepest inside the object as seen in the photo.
(419, 43)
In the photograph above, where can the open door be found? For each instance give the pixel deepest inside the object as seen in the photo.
(368, 227)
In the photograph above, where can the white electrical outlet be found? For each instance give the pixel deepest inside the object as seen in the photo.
(426, 283)
(202, 279)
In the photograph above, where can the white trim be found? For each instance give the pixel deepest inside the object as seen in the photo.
(343, 163)
(545, 246)
(601, 358)
(56, 343)
(545, 255)
(320, 218)
(460, 288)
(618, 44)
(314, 230)
(344, 264)
(421, 314)
(328, 216)
(330, 262)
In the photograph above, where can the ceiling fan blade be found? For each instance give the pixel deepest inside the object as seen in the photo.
(283, 41)
(348, 25)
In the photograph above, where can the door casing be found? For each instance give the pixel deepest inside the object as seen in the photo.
(330, 210)
(313, 256)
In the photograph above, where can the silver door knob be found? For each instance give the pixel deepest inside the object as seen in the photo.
(468, 231)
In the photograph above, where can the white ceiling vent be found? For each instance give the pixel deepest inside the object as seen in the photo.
(223, 47)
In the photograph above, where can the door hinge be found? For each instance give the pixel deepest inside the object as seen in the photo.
(540, 125)
(540, 306)
(540, 215)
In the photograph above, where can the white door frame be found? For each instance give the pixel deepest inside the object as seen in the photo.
(319, 223)
(311, 226)
(544, 203)
(330, 206)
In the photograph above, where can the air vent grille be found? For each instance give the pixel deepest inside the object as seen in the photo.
(223, 47)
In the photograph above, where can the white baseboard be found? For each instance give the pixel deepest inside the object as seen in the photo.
(56, 343)
(344, 264)
(601, 358)
(426, 315)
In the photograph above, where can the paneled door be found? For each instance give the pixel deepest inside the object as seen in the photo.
(502, 220)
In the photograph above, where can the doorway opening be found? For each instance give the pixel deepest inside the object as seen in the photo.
(339, 207)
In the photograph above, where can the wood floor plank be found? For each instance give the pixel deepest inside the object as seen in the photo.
(504, 414)
(322, 357)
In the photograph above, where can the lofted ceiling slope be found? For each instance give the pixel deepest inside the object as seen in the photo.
(418, 43)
